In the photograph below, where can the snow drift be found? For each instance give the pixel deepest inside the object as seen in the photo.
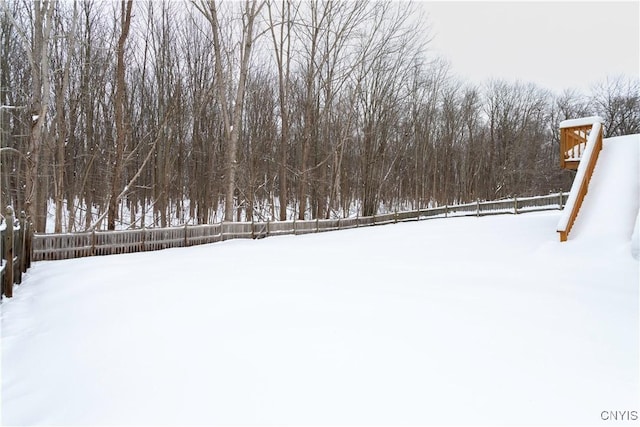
(458, 321)
(610, 208)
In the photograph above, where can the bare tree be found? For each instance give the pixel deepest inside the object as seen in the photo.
(389, 53)
(327, 33)
(12, 105)
(206, 149)
(37, 50)
(231, 110)
(517, 114)
(63, 117)
(281, 35)
(121, 138)
(617, 99)
(340, 110)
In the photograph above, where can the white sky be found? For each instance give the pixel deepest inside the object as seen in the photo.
(557, 45)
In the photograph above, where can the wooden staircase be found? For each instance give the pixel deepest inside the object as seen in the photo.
(580, 145)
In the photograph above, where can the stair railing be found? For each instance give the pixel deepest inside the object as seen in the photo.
(580, 142)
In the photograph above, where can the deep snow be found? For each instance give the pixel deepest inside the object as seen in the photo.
(610, 207)
(464, 320)
(486, 320)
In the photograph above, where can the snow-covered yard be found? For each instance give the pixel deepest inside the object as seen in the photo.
(485, 320)
(463, 320)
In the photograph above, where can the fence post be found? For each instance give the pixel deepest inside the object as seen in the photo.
(185, 234)
(267, 227)
(7, 286)
(25, 232)
(515, 205)
(560, 200)
(18, 249)
(93, 242)
(28, 244)
(477, 207)
(446, 210)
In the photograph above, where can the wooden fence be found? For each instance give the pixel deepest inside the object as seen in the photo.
(15, 248)
(90, 243)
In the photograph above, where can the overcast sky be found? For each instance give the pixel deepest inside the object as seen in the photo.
(556, 45)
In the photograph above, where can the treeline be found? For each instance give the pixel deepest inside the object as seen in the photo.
(118, 114)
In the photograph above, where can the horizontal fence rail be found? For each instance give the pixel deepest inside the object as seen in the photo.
(76, 245)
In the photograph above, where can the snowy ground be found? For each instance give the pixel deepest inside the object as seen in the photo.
(485, 320)
(465, 320)
(608, 211)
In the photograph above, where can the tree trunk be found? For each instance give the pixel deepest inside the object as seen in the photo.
(232, 119)
(39, 60)
(125, 15)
